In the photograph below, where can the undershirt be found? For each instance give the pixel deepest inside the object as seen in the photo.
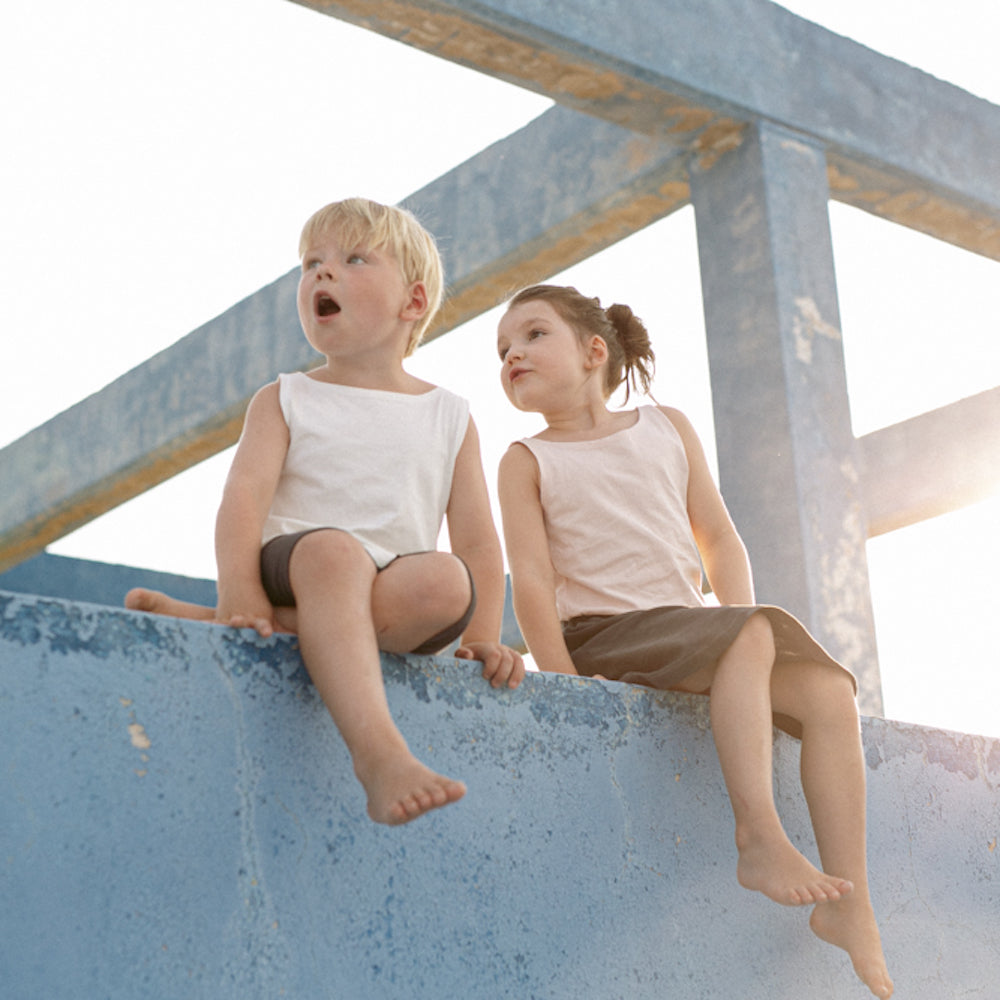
(376, 464)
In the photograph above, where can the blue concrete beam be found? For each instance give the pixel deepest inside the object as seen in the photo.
(591, 184)
(932, 463)
(179, 819)
(902, 144)
(788, 461)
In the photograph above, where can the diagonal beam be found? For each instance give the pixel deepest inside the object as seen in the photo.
(591, 184)
(901, 143)
(932, 463)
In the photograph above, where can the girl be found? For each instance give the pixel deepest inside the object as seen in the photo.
(631, 608)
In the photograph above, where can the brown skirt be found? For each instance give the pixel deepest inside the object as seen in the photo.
(659, 647)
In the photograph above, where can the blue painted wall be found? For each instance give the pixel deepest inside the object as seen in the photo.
(179, 820)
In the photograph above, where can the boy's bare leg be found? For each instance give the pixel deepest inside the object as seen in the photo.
(833, 780)
(333, 578)
(742, 727)
(158, 603)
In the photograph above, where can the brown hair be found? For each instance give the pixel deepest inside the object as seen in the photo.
(630, 355)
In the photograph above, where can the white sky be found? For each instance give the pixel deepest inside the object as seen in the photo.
(159, 162)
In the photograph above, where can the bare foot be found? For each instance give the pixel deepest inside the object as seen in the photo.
(158, 603)
(401, 788)
(850, 924)
(774, 867)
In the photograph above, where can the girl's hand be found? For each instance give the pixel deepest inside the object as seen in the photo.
(501, 664)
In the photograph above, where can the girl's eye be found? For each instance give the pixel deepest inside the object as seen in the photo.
(535, 334)
(503, 352)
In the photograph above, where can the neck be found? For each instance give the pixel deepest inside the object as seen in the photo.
(389, 376)
(586, 418)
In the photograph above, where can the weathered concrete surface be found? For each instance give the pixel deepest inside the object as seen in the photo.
(179, 820)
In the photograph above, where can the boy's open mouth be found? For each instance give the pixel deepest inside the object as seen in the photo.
(325, 305)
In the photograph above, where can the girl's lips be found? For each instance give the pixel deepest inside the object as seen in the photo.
(515, 374)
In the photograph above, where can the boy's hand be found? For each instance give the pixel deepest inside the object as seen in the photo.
(257, 614)
(501, 664)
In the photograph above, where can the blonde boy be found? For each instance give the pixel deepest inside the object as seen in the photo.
(340, 482)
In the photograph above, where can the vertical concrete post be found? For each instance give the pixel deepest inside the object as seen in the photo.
(788, 463)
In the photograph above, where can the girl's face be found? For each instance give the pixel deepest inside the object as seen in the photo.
(544, 364)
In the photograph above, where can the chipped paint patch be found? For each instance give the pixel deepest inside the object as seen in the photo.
(137, 734)
(808, 326)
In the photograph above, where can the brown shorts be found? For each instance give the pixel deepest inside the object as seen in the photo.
(275, 558)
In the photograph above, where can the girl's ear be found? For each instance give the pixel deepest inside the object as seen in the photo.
(416, 304)
(597, 351)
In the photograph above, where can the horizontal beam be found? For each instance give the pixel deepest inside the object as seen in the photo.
(933, 463)
(591, 184)
(909, 147)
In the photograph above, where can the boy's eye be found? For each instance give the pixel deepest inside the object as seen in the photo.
(355, 258)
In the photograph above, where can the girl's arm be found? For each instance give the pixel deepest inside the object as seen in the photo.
(473, 537)
(723, 553)
(531, 571)
(246, 499)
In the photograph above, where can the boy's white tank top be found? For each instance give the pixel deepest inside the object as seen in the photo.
(616, 519)
(373, 463)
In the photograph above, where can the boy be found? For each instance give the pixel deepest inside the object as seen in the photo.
(344, 475)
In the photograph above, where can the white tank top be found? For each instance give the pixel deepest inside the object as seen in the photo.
(616, 519)
(376, 464)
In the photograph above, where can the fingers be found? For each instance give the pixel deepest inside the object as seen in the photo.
(264, 627)
(501, 665)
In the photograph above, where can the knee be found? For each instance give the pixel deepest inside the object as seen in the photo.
(329, 551)
(444, 589)
(756, 638)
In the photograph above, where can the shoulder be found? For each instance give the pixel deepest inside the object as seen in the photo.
(518, 463)
(679, 422)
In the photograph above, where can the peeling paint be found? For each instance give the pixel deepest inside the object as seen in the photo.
(808, 326)
(137, 734)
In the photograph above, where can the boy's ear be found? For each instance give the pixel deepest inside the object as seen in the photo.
(417, 303)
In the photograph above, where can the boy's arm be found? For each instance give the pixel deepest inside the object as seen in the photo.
(530, 563)
(474, 539)
(723, 553)
(246, 499)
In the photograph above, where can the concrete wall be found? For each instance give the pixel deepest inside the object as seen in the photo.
(179, 820)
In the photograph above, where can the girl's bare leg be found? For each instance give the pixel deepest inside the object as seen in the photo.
(821, 698)
(334, 581)
(742, 726)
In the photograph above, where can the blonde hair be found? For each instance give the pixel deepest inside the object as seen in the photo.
(630, 355)
(359, 220)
